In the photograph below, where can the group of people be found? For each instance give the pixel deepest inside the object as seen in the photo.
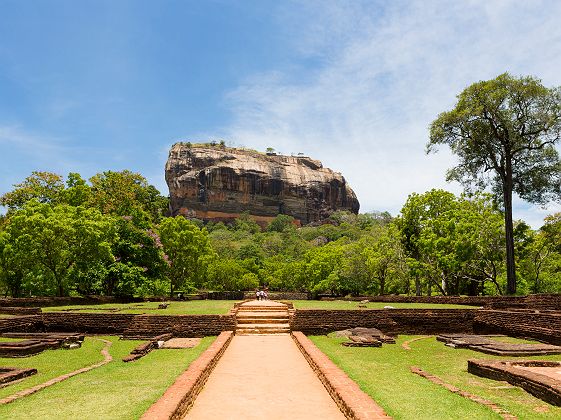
(261, 294)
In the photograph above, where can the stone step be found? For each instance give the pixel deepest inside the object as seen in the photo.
(262, 320)
(242, 331)
(268, 314)
(262, 308)
(266, 326)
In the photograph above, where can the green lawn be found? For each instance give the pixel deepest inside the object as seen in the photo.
(53, 363)
(384, 374)
(192, 307)
(344, 304)
(117, 390)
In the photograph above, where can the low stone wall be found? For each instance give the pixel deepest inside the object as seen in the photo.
(541, 386)
(540, 326)
(390, 321)
(350, 399)
(180, 325)
(539, 301)
(91, 323)
(130, 325)
(30, 323)
(45, 301)
(179, 397)
(10, 374)
(15, 310)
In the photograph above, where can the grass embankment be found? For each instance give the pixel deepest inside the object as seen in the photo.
(384, 374)
(117, 390)
(345, 304)
(192, 307)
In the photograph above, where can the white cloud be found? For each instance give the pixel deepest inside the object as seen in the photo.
(370, 77)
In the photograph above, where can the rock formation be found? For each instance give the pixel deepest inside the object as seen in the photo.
(218, 183)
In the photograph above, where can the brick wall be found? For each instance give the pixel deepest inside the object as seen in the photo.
(64, 301)
(181, 325)
(544, 326)
(29, 323)
(15, 310)
(93, 323)
(541, 301)
(127, 324)
(391, 321)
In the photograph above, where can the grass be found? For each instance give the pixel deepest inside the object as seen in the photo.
(8, 339)
(53, 363)
(344, 304)
(384, 374)
(117, 390)
(192, 307)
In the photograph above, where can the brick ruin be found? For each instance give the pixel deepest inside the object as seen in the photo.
(522, 373)
(533, 317)
(11, 374)
(33, 343)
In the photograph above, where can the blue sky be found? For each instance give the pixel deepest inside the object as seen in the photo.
(87, 86)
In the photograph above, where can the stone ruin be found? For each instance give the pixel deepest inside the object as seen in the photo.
(364, 337)
(34, 343)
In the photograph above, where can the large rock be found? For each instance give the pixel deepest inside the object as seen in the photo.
(218, 183)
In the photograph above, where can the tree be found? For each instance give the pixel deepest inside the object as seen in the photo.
(126, 193)
(417, 211)
(45, 187)
(281, 223)
(188, 251)
(504, 133)
(60, 240)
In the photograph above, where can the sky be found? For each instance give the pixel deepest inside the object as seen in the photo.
(88, 86)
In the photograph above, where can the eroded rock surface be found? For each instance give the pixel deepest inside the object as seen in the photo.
(219, 183)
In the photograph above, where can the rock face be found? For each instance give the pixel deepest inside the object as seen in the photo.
(218, 183)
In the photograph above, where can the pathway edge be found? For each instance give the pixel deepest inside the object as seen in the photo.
(180, 396)
(352, 401)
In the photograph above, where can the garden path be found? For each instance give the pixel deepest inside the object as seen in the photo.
(263, 376)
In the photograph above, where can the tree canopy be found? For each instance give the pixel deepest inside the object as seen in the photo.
(504, 132)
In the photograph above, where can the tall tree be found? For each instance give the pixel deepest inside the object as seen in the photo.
(504, 133)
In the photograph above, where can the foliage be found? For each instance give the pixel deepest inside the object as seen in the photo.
(83, 240)
(504, 133)
(188, 252)
(45, 187)
(57, 241)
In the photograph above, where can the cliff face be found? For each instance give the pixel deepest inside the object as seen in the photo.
(214, 183)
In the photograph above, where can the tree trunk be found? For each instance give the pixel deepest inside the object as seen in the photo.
(417, 285)
(509, 233)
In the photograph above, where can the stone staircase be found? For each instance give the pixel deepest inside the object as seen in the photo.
(262, 317)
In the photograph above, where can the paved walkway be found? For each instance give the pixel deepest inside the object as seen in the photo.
(263, 377)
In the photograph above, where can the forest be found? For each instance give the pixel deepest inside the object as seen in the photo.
(109, 235)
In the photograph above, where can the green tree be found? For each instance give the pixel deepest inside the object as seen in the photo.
(13, 264)
(281, 223)
(504, 133)
(45, 187)
(126, 193)
(77, 191)
(417, 211)
(187, 250)
(226, 274)
(61, 239)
